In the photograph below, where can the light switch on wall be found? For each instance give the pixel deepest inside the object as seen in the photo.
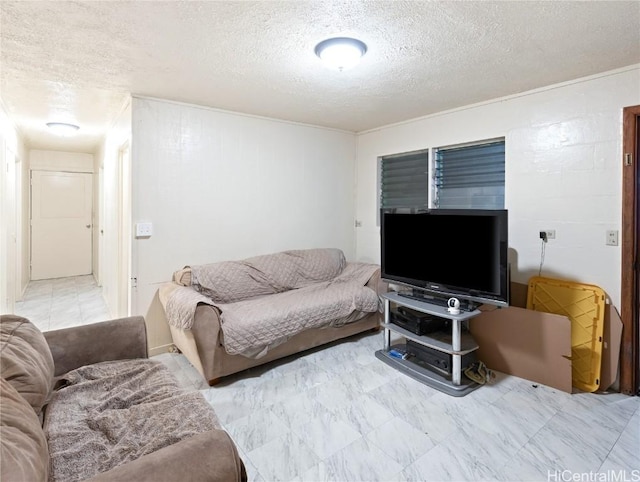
(144, 230)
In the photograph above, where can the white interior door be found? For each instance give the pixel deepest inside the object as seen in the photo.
(61, 205)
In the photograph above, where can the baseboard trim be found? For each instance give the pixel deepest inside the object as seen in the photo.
(158, 350)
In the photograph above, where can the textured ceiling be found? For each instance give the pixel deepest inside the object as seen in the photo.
(79, 61)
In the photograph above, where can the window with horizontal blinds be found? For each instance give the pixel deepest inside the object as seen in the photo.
(470, 177)
(404, 180)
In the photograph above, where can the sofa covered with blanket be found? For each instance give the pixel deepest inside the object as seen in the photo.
(233, 315)
(86, 403)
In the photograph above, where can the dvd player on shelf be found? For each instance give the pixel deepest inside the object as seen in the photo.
(417, 322)
(432, 358)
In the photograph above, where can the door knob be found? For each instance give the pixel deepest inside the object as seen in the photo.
(88, 226)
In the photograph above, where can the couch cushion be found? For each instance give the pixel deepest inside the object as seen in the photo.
(23, 447)
(25, 359)
(115, 412)
(252, 327)
(232, 281)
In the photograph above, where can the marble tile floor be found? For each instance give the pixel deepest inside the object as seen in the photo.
(340, 414)
(63, 302)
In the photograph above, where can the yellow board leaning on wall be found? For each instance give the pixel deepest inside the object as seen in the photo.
(584, 305)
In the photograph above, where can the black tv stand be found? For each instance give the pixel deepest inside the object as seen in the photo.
(465, 305)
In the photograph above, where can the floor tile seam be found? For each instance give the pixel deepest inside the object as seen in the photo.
(520, 449)
(90, 298)
(297, 428)
(581, 409)
(333, 409)
(46, 326)
(546, 417)
(376, 426)
(346, 447)
(593, 451)
(591, 411)
(92, 310)
(436, 442)
(269, 404)
(616, 441)
(247, 453)
(420, 458)
(545, 424)
(382, 449)
(271, 412)
(60, 296)
(27, 298)
(65, 297)
(320, 366)
(494, 434)
(30, 302)
(91, 306)
(547, 411)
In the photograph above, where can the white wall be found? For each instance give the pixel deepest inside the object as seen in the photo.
(13, 268)
(98, 174)
(563, 172)
(107, 213)
(24, 249)
(220, 186)
(42, 160)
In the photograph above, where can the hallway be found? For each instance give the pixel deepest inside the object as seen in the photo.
(52, 304)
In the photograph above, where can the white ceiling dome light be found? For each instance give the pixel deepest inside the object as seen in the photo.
(341, 53)
(62, 128)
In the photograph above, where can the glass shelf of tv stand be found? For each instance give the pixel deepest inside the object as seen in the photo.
(430, 308)
(439, 341)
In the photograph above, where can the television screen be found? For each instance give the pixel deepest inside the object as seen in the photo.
(460, 253)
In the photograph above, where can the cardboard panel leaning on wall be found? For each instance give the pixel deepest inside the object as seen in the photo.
(529, 344)
(220, 186)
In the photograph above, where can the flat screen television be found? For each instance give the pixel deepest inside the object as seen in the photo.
(443, 253)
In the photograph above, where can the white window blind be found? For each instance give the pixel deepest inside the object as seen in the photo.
(470, 177)
(404, 180)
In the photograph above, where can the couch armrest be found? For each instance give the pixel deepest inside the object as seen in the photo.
(377, 284)
(207, 457)
(121, 339)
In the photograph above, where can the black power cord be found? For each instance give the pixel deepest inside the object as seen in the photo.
(543, 239)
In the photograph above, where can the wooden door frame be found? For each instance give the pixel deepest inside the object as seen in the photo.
(629, 353)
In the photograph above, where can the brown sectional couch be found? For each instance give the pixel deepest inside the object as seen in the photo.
(86, 403)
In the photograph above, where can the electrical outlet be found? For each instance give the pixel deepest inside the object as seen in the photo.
(551, 233)
(612, 238)
(144, 230)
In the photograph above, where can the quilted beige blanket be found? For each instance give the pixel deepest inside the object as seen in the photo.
(232, 281)
(299, 299)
